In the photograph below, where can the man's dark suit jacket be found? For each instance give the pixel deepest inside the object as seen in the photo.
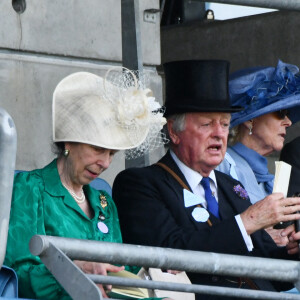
(152, 212)
(291, 154)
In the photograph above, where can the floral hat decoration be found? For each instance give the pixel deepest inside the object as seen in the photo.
(263, 90)
(115, 112)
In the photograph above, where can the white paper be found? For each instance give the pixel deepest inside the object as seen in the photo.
(282, 177)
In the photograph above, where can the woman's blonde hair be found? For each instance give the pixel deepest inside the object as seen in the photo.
(235, 134)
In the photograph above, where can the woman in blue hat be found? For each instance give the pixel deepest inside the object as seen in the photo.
(271, 100)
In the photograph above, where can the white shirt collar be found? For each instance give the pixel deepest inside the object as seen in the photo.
(192, 177)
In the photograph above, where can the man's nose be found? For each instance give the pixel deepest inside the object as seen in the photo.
(219, 130)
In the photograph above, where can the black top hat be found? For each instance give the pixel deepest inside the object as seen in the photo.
(197, 86)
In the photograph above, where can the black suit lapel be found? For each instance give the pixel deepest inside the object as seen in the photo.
(230, 203)
(225, 208)
(168, 160)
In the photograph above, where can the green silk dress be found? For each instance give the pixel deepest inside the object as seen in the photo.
(41, 205)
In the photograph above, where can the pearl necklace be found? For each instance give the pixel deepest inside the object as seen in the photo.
(79, 199)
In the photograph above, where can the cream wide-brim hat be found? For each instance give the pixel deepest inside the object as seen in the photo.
(81, 112)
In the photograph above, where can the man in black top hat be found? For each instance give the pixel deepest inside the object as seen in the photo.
(181, 202)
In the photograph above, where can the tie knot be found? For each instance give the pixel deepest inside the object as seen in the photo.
(205, 182)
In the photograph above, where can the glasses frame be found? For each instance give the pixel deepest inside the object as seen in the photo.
(282, 114)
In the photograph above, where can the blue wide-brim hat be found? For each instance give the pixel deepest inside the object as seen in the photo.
(263, 90)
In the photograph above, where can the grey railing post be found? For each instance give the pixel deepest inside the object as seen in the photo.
(73, 280)
(8, 150)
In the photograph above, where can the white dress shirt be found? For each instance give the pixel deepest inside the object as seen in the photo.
(194, 178)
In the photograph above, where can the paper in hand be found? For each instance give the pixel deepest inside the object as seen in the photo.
(281, 185)
(282, 177)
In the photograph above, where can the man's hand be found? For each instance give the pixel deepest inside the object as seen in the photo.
(293, 246)
(270, 211)
(99, 269)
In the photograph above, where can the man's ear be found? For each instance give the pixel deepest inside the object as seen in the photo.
(172, 134)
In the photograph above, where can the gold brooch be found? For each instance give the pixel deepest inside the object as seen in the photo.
(103, 201)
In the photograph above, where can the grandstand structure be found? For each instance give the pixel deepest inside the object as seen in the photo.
(41, 42)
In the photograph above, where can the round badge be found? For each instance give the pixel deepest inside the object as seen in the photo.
(200, 214)
(102, 227)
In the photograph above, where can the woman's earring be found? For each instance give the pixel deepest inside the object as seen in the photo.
(66, 152)
(250, 130)
(250, 127)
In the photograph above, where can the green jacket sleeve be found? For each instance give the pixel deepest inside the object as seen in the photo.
(26, 220)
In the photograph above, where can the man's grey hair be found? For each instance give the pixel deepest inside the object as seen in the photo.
(178, 122)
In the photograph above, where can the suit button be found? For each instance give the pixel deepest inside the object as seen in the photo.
(215, 278)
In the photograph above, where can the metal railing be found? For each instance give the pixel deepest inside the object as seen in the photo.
(8, 150)
(57, 254)
(274, 4)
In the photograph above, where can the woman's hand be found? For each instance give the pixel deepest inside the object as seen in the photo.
(278, 236)
(293, 238)
(89, 267)
(293, 246)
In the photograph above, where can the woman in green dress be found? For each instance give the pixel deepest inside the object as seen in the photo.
(92, 119)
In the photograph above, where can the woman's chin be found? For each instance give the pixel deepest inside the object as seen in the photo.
(278, 147)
